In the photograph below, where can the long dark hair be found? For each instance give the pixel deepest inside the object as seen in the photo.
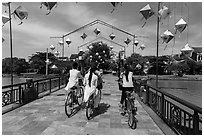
(92, 70)
(126, 71)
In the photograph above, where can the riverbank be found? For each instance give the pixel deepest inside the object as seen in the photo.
(34, 76)
(172, 77)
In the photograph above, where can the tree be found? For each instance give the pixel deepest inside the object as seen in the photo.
(37, 61)
(19, 65)
(99, 53)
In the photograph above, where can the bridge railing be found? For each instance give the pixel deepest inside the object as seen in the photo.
(12, 96)
(182, 116)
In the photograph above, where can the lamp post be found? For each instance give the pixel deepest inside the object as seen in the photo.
(11, 49)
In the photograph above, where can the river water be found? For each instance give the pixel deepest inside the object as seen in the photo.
(190, 91)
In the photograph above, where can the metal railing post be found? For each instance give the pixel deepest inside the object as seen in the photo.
(20, 94)
(195, 123)
(162, 105)
(147, 95)
(50, 85)
(59, 82)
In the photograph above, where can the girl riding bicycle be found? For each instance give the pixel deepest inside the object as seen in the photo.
(74, 76)
(90, 83)
(127, 84)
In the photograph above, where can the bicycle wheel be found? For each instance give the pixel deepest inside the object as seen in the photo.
(69, 104)
(80, 96)
(89, 109)
(132, 122)
(100, 93)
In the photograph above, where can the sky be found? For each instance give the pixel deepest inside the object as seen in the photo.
(35, 32)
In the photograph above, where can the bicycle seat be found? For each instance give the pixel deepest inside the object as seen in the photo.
(73, 88)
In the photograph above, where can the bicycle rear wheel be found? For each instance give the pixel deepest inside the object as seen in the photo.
(132, 121)
(80, 96)
(89, 109)
(69, 104)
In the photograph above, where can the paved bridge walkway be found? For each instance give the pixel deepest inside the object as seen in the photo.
(47, 116)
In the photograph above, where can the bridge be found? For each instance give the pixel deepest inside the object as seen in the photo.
(46, 116)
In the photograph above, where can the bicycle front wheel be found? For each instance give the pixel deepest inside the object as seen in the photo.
(69, 104)
(80, 96)
(89, 109)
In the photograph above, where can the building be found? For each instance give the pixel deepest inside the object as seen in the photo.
(73, 57)
(197, 54)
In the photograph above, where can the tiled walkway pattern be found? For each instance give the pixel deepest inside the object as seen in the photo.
(47, 116)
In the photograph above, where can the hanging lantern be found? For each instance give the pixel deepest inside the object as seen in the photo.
(127, 41)
(187, 50)
(21, 13)
(48, 5)
(83, 36)
(167, 36)
(147, 12)
(54, 67)
(138, 66)
(142, 47)
(111, 47)
(91, 46)
(164, 12)
(136, 43)
(180, 25)
(97, 31)
(61, 43)
(115, 4)
(104, 51)
(57, 53)
(5, 19)
(52, 47)
(112, 36)
(100, 43)
(68, 41)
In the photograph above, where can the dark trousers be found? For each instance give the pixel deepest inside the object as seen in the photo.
(124, 95)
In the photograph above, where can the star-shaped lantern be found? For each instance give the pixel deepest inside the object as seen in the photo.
(187, 50)
(48, 5)
(68, 41)
(127, 41)
(167, 36)
(21, 13)
(164, 12)
(52, 47)
(97, 31)
(147, 12)
(5, 19)
(112, 36)
(83, 36)
(180, 25)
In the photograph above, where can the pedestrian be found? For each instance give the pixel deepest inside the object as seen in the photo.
(127, 84)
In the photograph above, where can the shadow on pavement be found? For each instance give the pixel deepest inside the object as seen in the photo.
(75, 110)
(103, 107)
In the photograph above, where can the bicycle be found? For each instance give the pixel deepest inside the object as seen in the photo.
(131, 110)
(73, 97)
(90, 105)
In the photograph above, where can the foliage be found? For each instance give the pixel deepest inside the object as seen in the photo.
(19, 65)
(37, 61)
(101, 59)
